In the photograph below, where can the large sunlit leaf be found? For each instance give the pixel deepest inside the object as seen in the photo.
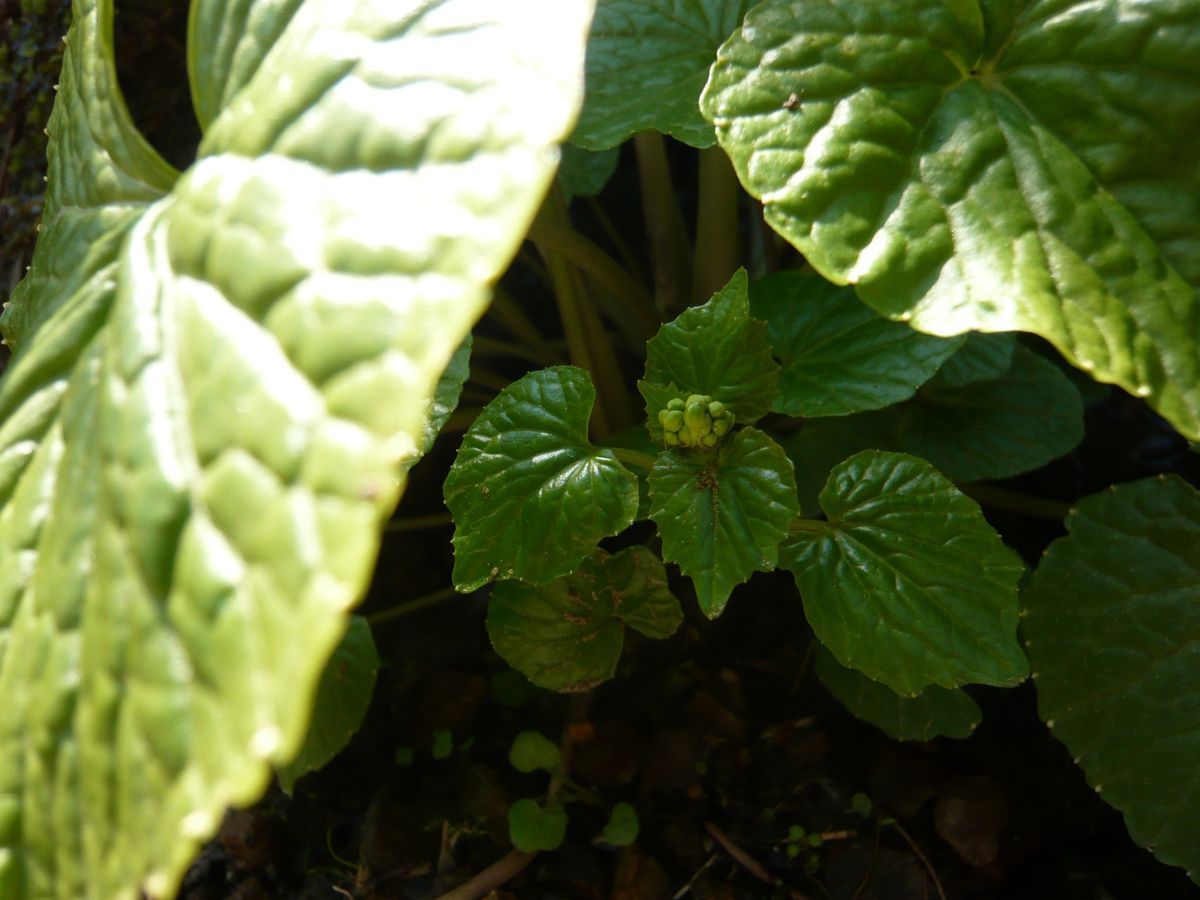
(934, 712)
(647, 61)
(907, 582)
(722, 514)
(567, 635)
(1021, 165)
(1112, 626)
(838, 356)
(201, 439)
(529, 492)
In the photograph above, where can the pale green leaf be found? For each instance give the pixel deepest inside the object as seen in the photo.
(343, 695)
(934, 712)
(714, 349)
(647, 61)
(1111, 620)
(529, 492)
(837, 355)
(722, 514)
(1024, 167)
(907, 582)
(568, 635)
(200, 445)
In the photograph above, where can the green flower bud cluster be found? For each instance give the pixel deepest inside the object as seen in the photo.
(698, 421)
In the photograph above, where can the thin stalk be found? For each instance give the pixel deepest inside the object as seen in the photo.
(508, 313)
(633, 458)
(664, 225)
(628, 260)
(1012, 501)
(408, 607)
(634, 307)
(418, 523)
(487, 346)
(500, 872)
(489, 380)
(718, 244)
(587, 342)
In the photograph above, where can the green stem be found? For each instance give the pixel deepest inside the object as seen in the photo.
(417, 523)
(634, 458)
(508, 313)
(664, 225)
(807, 526)
(718, 247)
(633, 307)
(408, 607)
(1012, 501)
(486, 346)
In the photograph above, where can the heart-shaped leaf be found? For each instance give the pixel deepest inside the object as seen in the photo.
(984, 357)
(532, 828)
(907, 582)
(722, 514)
(989, 166)
(567, 635)
(529, 493)
(217, 382)
(1111, 620)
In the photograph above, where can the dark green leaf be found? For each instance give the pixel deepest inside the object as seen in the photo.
(1111, 620)
(445, 397)
(983, 430)
(343, 696)
(647, 61)
(906, 582)
(1023, 167)
(838, 355)
(984, 357)
(584, 173)
(529, 493)
(722, 515)
(934, 712)
(715, 349)
(567, 635)
(531, 828)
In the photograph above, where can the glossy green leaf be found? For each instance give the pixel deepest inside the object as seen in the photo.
(935, 712)
(983, 430)
(1110, 620)
(984, 357)
(647, 61)
(532, 750)
(529, 493)
(532, 828)
(568, 635)
(906, 582)
(621, 829)
(343, 695)
(1019, 165)
(722, 514)
(584, 173)
(838, 356)
(714, 349)
(200, 443)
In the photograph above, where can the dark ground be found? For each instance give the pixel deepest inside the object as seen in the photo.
(721, 737)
